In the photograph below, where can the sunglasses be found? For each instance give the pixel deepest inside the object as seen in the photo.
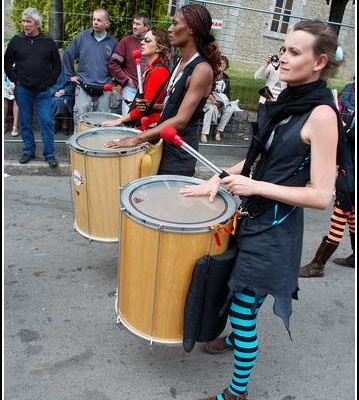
(147, 40)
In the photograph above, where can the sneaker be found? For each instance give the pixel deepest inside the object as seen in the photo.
(14, 132)
(204, 139)
(218, 136)
(52, 162)
(25, 158)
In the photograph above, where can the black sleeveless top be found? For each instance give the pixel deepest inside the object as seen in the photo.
(270, 243)
(175, 160)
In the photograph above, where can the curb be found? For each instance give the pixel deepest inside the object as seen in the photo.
(12, 167)
(219, 154)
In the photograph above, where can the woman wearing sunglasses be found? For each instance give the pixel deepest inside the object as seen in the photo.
(187, 90)
(155, 48)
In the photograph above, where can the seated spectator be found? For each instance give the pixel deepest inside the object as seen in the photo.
(218, 108)
(9, 101)
(155, 48)
(62, 99)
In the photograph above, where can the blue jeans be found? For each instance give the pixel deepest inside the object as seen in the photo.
(26, 100)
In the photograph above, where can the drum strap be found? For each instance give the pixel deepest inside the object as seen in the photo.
(159, 91)
(150, 106)
(256, 205)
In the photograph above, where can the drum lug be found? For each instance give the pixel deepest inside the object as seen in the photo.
(242, 212)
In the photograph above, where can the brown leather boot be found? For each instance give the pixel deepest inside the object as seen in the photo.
(219, 346)
(227, 395)
(350, 260)
(315, 269)
(345, 262)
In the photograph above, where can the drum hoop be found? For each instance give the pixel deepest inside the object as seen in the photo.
(82, 117)
(170, 226)
(73, 143)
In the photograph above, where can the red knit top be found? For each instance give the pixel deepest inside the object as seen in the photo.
(153, 77)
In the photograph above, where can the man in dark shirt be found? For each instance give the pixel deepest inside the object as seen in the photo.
(33, 63)
(122, 65)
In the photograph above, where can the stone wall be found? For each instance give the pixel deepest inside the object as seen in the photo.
(238, 131)
(247, 39)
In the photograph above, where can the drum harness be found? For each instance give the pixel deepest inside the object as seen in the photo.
(253, 206)
(149, 108)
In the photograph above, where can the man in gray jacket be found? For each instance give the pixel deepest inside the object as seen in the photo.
(92, 48)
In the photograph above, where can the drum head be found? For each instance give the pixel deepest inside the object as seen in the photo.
(156, 202)
(93, 141)
(96, 118)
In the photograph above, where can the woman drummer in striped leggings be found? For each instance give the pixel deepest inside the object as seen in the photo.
(292, 146)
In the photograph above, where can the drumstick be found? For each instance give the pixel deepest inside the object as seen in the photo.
(137, 56)
(169, 133)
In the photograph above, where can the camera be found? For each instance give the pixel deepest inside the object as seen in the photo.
(274, 58)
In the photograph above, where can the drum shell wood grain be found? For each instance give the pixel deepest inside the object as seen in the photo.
(154, 285)
(154, 273)
(95, 198)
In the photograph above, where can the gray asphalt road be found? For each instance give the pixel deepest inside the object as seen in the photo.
(62, 342)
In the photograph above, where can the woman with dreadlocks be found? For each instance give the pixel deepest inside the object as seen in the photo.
(296, 146)
(189, 86)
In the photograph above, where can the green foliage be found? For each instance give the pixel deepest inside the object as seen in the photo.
(20, 5)
(245, 88)
(78, 14)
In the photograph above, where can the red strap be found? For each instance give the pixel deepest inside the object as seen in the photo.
(217, 227)
(216, 236)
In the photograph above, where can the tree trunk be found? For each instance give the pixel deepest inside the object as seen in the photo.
(56, 22)
(337, 10)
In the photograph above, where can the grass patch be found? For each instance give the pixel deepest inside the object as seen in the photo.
(245, 88)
